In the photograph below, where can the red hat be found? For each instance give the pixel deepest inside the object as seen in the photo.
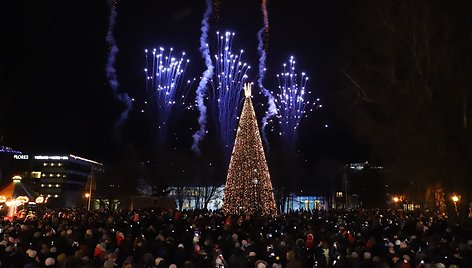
(228, 220)
(309, 241)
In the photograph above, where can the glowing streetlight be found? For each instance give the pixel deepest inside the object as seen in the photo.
(87, 195)
(89, 187)
(396, 200)
(455, 198)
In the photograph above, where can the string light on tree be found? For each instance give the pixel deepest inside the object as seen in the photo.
(248, 186)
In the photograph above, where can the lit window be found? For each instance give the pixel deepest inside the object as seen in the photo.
(52, 164)
(45, 164)
(50, 175)
(42, 185)
(58, 175)
(64, 175)
(49, 185)
(59, 164)
(57, 185)
(339, 194)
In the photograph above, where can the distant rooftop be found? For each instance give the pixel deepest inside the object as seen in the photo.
(361, 166)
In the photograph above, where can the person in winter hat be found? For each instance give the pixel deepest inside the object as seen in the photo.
(261, 264)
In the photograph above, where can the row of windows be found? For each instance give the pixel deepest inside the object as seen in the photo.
(50, 195)
(50, 185)
(52, 164)
(57, 175)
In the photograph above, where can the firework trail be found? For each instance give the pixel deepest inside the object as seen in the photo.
(261, 35)
(265, 17)
(292, 102)
(207, 74)
(225, 96)
(111, 71)
(164, 83)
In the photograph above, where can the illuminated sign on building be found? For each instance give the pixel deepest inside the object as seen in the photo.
(21, 156)
(51, 157)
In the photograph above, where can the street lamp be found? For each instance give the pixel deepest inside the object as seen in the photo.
(455, 198)
(396, 199)
(87, 196)
(89, 187)
(255, 196)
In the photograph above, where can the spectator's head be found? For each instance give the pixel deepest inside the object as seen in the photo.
(261, 264)
(290, 255)
(158, 260)
(89, 232)
(31, 253)
(127, 264)
(49, 262)
(147, 259)
(109, 264)
(60, 258)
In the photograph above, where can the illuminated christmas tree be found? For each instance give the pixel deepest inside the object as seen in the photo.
(248, 187)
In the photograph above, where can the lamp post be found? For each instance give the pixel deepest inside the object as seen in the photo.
(396, 200)
(89, 187)
(87, 196)
(255, 197)
(455, 198)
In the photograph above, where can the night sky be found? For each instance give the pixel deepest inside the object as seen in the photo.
(55, 97)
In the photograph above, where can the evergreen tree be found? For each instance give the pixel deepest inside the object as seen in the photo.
(248, 187)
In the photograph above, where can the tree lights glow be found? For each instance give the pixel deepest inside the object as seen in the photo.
(225, 96)
(248, 186)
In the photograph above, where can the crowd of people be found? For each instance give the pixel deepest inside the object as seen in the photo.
(165, 238)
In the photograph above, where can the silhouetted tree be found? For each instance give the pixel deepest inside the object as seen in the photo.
(408, 65)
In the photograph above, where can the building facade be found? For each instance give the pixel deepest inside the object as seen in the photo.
(197, 197)
(62, 179)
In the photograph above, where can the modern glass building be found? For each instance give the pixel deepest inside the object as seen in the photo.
(296, 202)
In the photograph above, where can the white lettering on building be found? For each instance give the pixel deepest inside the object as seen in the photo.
(51, 157)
